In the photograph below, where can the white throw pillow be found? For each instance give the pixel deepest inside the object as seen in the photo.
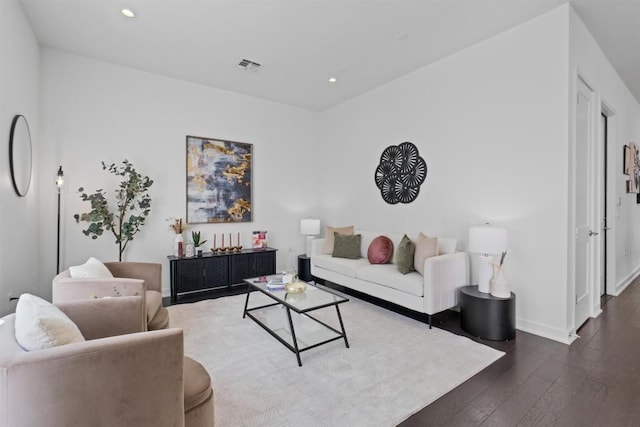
(92, 269)
(40, 324)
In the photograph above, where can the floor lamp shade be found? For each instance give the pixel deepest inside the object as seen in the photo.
(309, 227)
(487, 241)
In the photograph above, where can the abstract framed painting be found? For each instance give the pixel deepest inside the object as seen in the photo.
(219, 180)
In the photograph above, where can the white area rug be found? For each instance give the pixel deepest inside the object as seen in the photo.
(395, 366)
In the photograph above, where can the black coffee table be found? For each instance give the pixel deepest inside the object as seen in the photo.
(298, 331)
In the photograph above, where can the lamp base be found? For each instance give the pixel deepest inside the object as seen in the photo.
(485, 272)
(308, 248)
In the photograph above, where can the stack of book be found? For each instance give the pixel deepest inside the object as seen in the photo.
(275, 283)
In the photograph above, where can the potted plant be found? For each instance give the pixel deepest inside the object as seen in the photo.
(132, 206)
(195, 237)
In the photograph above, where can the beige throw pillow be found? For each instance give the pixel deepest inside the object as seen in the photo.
(329, 239)
(425, 248)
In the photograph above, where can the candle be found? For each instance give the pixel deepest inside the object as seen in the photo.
(238, 238)
(230, 241)
(223, 240)
(214, 241)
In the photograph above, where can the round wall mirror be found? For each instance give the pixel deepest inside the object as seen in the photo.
(20, 155)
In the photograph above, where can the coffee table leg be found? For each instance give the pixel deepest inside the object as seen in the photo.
(293, 336)
(344, 333)
(246, 304)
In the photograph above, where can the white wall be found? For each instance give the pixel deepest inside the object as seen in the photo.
(491, 123)
(19, 229)
(94, 111)
(588, 60)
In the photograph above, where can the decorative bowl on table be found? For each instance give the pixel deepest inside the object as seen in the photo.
(295, 287)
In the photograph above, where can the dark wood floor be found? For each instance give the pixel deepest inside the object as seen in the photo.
(539, 382)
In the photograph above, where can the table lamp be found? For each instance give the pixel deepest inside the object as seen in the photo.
(487, 241)
(309, 227)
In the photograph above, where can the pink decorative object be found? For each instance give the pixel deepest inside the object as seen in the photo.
(380, 250)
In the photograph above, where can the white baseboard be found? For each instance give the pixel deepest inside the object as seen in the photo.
(563, 336)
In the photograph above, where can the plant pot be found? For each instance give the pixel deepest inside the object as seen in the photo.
(199, 252)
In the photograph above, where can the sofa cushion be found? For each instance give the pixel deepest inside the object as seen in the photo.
(405, 253)
(387, 275)
(329, 237)
(342, 266)
(346, 246)
(425, 248)
(380, 250)
(40, 324)
(92, 269)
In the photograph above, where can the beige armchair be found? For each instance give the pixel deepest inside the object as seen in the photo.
(130, 278)
(120, 376)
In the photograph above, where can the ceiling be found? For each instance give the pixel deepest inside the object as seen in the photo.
(300, 44)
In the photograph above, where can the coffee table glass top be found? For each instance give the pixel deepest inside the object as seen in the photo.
(311, 299)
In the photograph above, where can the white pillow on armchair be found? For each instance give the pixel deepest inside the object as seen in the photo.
(92, 269)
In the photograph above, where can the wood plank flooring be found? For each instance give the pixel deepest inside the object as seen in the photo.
(539, 382)
(593, 382)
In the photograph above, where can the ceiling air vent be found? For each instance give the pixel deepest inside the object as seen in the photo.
(248, 65)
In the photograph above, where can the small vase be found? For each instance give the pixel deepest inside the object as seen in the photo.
(499, 284)
(199, 251)
(190, 251)
(178, 241)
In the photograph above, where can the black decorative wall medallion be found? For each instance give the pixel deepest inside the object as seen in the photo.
(400, 173)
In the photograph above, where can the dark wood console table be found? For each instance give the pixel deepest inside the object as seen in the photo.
(485, 316)
(212, 271)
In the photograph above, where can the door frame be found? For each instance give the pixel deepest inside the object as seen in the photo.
(596, 207)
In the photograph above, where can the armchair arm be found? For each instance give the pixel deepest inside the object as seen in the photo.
(443, 276)
(105, 317)
(70, 289)
(134, 379)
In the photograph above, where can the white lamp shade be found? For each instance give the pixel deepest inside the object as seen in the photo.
(486, 239)
(310, 226)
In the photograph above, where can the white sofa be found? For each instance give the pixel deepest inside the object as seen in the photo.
(432, 293)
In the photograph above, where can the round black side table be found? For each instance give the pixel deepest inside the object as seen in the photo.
(304, 268)
(485, 316)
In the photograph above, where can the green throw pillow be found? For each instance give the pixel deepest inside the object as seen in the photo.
(404, 255)
(345, 246)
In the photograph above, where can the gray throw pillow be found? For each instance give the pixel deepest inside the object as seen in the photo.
(404, 255)
(346, 246)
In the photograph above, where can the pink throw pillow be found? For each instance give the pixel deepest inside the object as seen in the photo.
(380, 250)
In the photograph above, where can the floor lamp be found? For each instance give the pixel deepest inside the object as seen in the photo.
(59, 184)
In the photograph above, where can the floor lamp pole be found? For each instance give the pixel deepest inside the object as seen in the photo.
(58, 257)
(59, 183)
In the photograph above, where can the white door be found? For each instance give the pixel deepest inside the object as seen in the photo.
(585, 235)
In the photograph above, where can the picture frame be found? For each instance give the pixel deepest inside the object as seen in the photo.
(631, 167)
(219, 180)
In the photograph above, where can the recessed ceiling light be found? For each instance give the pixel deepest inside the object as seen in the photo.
(128, 13)
(332, 80)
